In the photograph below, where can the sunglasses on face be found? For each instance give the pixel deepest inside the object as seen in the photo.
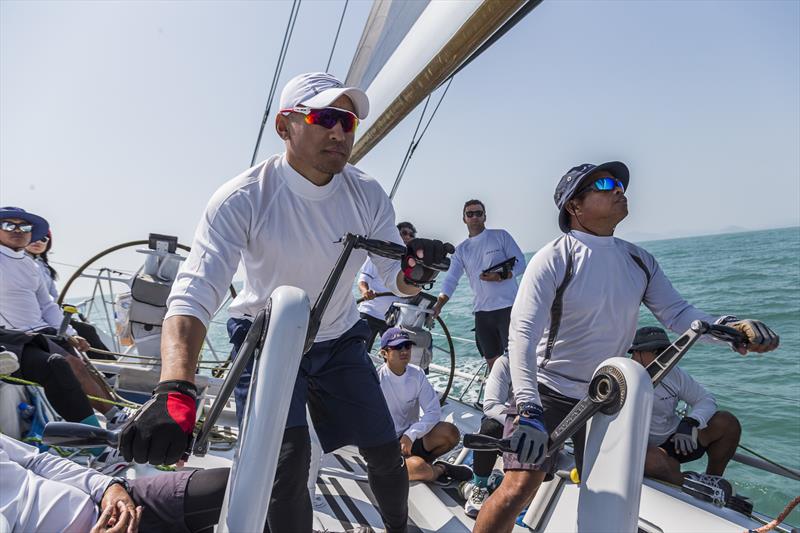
(44, 240)
(24, 227)
(327, 117)
(404, 346)
(605, 184)
(470, 214)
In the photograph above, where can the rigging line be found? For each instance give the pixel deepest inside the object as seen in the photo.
(287, 37)
(416, 140)
(770, 461)
(335, 39)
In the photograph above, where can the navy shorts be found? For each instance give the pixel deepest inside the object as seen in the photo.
(491, 332)
(340, 385)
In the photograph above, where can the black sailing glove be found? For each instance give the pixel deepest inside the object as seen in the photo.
(424, 259)
(160, 430)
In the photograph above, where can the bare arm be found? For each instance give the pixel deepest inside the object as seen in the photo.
(181, 340)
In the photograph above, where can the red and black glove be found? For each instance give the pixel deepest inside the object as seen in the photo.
(159, 432)
(424, 259)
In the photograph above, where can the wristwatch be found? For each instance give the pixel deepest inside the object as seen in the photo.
(529, 410)
(120, 481)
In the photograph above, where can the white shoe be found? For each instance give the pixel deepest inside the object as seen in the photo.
(119, 419)
(110, 462)
(8, 362)
(475, 501)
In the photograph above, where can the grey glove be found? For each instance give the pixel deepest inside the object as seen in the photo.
(529, 440)
(685, 437)
(760, 338)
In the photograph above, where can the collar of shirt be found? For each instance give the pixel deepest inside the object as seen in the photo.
(593, 241)
(5, 250)
(302, 186)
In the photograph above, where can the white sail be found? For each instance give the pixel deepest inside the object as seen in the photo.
(409, 48)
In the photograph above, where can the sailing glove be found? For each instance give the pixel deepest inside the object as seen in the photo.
(685, 437)
(424, 259)
(760, 338)
(159, 432)
(529, 440)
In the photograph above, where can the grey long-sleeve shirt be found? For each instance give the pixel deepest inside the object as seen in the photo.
(600, 311)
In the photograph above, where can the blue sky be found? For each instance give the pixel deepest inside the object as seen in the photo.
(119, 119)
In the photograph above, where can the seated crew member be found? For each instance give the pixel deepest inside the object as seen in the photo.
(494, 292)
(27, 307)
(407, 390)
(373, 309)
(673, 440)
(498, 402)
(44, 492)
(39, 251)
(586, 281)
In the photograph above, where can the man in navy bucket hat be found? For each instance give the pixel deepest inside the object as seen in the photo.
(578, 304)
(39, 226)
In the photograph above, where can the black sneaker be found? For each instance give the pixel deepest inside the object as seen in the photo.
(453, 472)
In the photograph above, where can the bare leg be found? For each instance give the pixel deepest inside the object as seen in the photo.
(442, 438)
(490, 362)
(88, 384)
(720, 437)
(659, 465)
(419, 470)
(504, 505)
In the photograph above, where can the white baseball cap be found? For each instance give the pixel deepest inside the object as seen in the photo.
(320, 89)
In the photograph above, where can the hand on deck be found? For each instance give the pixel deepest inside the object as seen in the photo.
(117, 499)
(118, 519)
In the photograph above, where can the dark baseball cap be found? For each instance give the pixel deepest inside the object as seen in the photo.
(571, 182)
(394, 337)
(650, 339)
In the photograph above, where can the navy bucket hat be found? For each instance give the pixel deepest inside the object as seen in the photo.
(571, 182)
(40, 225)
(649, 339)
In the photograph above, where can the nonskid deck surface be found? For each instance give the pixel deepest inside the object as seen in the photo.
(344, 500)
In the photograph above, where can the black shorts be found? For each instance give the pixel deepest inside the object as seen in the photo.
(418, 450)
(556, 407)
(669, 447)
(491, 332)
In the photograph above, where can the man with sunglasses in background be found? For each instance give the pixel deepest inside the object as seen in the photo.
(493, 287)
(578, 304)
(282, 220)
(372, 307)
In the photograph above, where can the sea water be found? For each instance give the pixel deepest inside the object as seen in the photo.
(752, 275)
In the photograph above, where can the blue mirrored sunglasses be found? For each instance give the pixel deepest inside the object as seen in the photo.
(605, 184)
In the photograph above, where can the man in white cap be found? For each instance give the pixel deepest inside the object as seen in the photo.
(281, 219)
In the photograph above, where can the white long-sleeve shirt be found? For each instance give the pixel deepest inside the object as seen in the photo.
(498, 392)
(284, 230)
(600, 312)
(406, 395)
(678, 385)
(43, 492)
(48, 279)
(25, 301)
(476, 254)
(376, 307)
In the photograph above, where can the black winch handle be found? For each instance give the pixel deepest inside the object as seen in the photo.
(476, 441)
(77, 435)
(392, 250)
